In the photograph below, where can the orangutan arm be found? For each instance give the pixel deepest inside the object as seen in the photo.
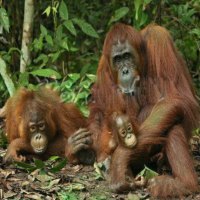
(164, 115)
(15, 148)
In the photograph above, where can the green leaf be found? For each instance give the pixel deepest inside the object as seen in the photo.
(39, 164)
(59, 166)
(59, 33)
(4, 20)
(69, 96)
(54, 158)
(54, 9)
(98, 170)
(50, 73)
(196, 31)
(81, 95)
(23, 79)
(64, 44)
(148, 173)
(47, 11)
(25, 166)
(70, 26)
(84, 110)
(7, 80)
(137, 4)
(91, 77)
(38, 43)
(55, 56)
(86, 28)
(74, 77)
(63, 11)
(143, 19)
(41, 58)
(119, 13)
(43, 30)
(49, 39)
(73, 49)
(68, 195)
(196, 132)
(85, 84)
(68, 84)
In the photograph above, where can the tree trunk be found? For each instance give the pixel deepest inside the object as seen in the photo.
(27, 34)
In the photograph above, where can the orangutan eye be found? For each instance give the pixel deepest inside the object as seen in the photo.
(117, 59)
(129, 128)
(127, 55)
(123, 133)
(32, 129)
(41, 126)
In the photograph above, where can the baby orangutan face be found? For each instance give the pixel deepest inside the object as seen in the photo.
(124, 131)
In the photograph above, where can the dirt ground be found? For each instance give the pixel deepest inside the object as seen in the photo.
(37, 180)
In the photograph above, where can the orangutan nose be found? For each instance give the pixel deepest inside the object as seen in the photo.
(125, 71)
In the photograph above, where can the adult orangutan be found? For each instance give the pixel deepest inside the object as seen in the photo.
(169, 109)
(164, 105)
(172, 83)
(39, 123)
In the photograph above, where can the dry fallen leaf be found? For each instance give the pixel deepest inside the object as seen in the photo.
(9, 194)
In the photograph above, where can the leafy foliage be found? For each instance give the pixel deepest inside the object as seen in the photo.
(9, 84)
(46, 73)
(52, 46)
(118, 14)
(86, 28)
(4, 20)
(53, 164)
(67, 40)
(76, 89)
(68, 196)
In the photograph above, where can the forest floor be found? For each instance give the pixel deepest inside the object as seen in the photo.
(36, 180)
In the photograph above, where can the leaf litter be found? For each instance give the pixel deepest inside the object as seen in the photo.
(70, 182)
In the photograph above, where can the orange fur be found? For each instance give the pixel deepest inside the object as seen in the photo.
(61, 119)
(172, 83)
(106, 99)
(165, 107)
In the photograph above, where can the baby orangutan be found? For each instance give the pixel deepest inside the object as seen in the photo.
(122, 135)
(124, 131)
